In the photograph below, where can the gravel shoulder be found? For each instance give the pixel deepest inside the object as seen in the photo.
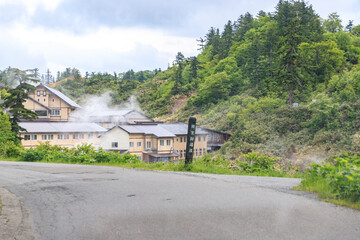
(15, 222)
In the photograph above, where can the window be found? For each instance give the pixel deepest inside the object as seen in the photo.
(204, 151)
(38, 93)
(81, 136)
(55, 112)
(38, 99)
(44, 99)
(53, 100)
(161, 142)
(66, 136)
(60, 136)
(76, 136)
(131, 144)
(139, 158)
(50, 137)
(138, 144)
(44, 93)
(148, 144)
(90, 136)
(114, 145)
(181, 153)
(33, 137)
(181, 139)
(196, 150)
(27, 137)
(41, 113)
(200, 151)
(44, 137)
(168, 143)
(184, 139)
(199, 139)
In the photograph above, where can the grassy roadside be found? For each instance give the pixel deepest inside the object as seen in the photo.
(252, 164)
(337, 180)
(325, 192)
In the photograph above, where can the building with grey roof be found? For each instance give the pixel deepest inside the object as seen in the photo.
(65, 134)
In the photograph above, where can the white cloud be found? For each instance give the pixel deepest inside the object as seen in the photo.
(95, 48)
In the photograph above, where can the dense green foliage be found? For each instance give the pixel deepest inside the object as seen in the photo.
(339, 178)
(84, 153)
(7, 137)
(248, 164)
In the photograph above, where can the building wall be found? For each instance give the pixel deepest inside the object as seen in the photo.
(115, 135)
(200, 147)
(51, 101)
(34, 106)
(166, 148)
(74, 139)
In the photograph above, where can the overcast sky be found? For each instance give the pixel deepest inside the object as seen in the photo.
(118, 35)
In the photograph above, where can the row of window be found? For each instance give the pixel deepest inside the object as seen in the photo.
(53, 100)
(198, 152)
(183, 139)
(148, 143)
(39, 93)
(48, 137)
(54, 112)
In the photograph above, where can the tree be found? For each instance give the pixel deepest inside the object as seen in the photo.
(226, 39)
(349, 26)
(48, 77)
(17, 96)
(333, 23)
(297, 23)
(356, 30)
(289, 24)
(194, 66)
(179, 59)
(321, 60)
(242, 25)
(6, 136)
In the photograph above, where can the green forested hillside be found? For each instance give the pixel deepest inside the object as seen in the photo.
(249, 76)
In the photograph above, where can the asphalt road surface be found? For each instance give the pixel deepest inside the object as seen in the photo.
(91, 202)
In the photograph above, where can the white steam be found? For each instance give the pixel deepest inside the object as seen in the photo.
(97, 109)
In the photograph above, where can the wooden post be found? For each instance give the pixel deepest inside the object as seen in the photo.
(190, 141)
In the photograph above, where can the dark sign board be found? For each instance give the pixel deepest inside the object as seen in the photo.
(190, 140)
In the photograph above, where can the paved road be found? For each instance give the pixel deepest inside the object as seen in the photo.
(89, 202)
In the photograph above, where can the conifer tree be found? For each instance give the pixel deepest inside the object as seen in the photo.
(17, 96)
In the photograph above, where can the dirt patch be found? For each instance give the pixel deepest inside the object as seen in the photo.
(179, 102)
(15, 221)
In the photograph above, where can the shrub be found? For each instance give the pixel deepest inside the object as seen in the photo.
(253, 162)
(341, 174)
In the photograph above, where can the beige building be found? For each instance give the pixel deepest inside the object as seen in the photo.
(180, 131)
(65, 134)
(50, 104)
(153, 142)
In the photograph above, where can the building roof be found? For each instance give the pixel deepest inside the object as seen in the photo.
(61, 127)
(180, 128)
(156, 130)
(61, 96)
(120, 115)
